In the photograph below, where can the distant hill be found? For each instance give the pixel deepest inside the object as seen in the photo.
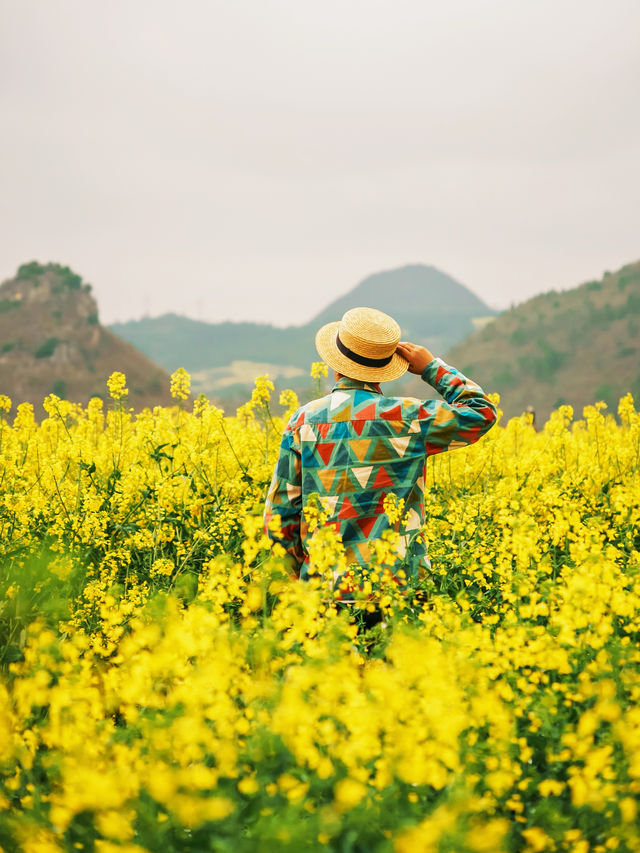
(176, 341)
(429, 305)
(51, 341)
(574, 347)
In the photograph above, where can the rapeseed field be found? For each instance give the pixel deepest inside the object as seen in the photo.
(166, 685)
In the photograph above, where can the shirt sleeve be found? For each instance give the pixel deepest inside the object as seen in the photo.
(284, 498)
(465, 415)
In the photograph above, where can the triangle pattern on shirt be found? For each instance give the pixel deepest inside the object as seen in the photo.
(307, 433)
(308, 457)
(347, 531)
(361, 397)
(344, 484)
(382, 479)
(354, 472)
(337, 399)
(341, 455)
(400, 444)
(309, 482)
(350, 556)
(381, 452)
(340, 430)
(360, 447)
(366, 414)
(325, 449)
(366, 525)
(443, 415)
(343, 415)
(329, 503)
(327, 476)
(293, 492)
(347, 510)
(274, 494)
(394, 414)
(365, 551)
(415, 496)
(380, 505)
(362, 474)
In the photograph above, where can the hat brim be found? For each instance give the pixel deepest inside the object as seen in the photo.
(329, 353)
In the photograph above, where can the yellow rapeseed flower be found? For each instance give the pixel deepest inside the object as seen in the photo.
(180, 384)
(319, 370)
(348, 793)
(117, 385)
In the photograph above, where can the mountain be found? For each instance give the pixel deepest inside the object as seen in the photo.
(429, 305)
(573, 347)
(51, 341)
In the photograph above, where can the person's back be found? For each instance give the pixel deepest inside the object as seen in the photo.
(356, 446)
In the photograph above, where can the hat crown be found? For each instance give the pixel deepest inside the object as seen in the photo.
(369, 332)
(362, 346)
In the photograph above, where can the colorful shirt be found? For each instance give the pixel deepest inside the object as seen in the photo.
(355, 446)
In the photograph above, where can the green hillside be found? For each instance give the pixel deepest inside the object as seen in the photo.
(430, 306)
(175, 341)
(571, 347)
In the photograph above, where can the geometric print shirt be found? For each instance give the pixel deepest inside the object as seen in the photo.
(355, 446)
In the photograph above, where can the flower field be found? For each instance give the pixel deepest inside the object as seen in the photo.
(166, 685)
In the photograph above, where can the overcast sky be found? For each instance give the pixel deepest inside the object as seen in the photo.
(253, 159)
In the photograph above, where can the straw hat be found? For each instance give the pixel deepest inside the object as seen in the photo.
(363, 346)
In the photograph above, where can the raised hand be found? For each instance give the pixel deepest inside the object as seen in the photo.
(417, 356)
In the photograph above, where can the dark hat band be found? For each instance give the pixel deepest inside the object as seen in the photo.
(361, 359)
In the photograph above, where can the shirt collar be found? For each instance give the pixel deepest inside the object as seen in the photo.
(345, 383)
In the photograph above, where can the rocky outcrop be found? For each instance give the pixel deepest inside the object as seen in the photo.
(51, 341)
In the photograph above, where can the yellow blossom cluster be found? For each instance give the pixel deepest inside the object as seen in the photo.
(166, 684)
(319, 370)
(180, 384)
(117, 385)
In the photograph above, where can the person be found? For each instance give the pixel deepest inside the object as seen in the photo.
(531, 411)
(355, 446)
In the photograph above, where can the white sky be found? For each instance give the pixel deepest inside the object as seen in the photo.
(253, 160)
